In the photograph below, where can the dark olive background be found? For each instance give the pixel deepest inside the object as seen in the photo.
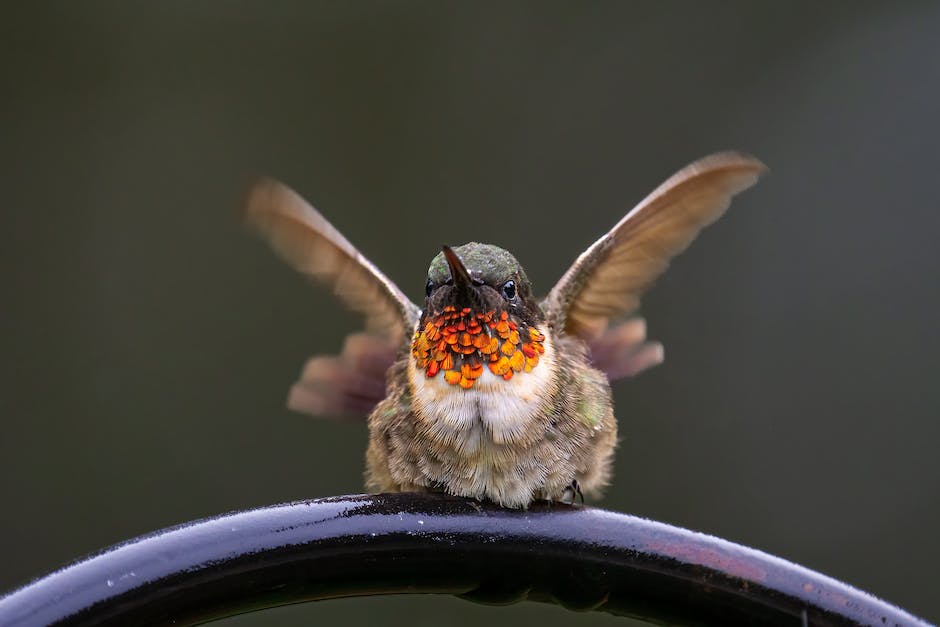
(148, 342)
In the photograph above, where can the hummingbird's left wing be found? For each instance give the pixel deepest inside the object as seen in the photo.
(347, 385)
(353, 382)
(313, 246)
(606, 282)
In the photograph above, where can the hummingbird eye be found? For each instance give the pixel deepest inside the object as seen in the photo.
(429, 287)
(509, 290)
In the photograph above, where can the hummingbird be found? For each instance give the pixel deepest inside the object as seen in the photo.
(486, 390)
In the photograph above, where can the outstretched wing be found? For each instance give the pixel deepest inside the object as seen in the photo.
(352, 383)
(608, 279)
(623, 351)
(347, 385)
(313, 246)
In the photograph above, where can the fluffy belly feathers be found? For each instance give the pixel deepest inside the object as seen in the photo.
(486, 441)
(501, 408)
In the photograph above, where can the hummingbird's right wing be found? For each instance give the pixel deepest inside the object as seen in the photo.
(606, 282)
(313, 246)
(350, 384)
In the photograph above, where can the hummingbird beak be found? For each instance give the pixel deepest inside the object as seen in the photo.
(463, 283)
(458, 271)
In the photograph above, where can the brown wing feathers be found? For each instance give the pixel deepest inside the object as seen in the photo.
(608, 279)
(605, 283)
(352, 383)
(622, 350)
(309, 243)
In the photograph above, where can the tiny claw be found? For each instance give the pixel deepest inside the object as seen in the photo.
(572, 493)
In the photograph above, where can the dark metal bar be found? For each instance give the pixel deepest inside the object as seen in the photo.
(581, 558)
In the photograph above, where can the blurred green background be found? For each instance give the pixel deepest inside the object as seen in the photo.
(147, 342)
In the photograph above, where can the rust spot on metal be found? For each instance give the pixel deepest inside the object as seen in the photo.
(711, 558)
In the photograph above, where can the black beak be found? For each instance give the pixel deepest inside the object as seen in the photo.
(463, 284)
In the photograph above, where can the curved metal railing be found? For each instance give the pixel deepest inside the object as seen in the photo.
(579, 557)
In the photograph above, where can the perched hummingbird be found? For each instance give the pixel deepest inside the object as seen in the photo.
(488, 391)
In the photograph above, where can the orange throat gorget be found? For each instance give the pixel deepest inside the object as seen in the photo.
(459, 343)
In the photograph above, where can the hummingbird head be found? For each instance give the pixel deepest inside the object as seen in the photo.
(483, 278)
(479, 311)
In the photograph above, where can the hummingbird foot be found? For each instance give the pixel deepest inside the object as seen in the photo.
(572, 493)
